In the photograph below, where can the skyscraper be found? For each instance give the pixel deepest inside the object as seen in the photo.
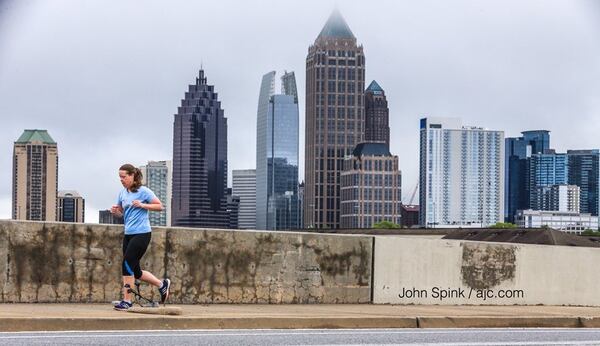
(517, 151)
(158, 178)
(35, 177)
(277, 155)
(377, 114)
(200, 159)
(244, 187)
(584, 171)
(576, 167)
(71, 207)
(371, 187)
(461, 181)
(288, 85)
(335, 76)
(546, 169)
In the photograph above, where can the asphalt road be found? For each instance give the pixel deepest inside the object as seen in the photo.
(312, 337)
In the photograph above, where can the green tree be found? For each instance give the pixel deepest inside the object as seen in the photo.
(591, 232)
(386, 225)
(504, 225)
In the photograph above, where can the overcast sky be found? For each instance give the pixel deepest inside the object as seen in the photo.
(105, 77)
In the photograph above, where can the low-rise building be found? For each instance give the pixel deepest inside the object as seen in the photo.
(571, 222)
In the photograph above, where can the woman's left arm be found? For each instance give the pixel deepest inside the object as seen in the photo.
(154, 205)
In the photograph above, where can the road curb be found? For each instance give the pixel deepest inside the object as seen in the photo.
(23, 324)
(66, 324)
(501, 322)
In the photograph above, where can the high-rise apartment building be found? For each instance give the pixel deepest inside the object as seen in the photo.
(461, 181)
(200, 159)
(370, 187)
(35, 177)
(71, 207)
(158, 176)
(335, 77)
(244, 187)
(277, 155)
(377, 114)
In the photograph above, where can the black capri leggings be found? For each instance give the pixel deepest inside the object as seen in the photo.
(134, 247)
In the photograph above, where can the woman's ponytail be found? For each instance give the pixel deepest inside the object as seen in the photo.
(137, 176)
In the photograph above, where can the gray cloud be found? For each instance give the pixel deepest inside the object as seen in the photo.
(106, 78)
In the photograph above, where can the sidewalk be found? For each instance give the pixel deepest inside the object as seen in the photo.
(47, 317)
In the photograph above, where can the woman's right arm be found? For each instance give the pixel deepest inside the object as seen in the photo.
(117, 210)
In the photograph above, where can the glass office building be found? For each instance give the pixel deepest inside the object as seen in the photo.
(548, 169)
(277, 129)
(517, 152)
(200, 159)
(584, 171)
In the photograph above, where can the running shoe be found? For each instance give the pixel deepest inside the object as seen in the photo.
(164, 290)
(123, 306)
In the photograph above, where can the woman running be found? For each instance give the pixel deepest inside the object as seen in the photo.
(133, 204)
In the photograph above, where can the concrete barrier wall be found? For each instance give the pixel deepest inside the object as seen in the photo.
(415, 270)
(63, 262)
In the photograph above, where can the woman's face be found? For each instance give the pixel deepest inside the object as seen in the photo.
(126, 179)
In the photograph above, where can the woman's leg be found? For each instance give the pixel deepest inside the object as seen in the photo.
(134, 248)
(150, 278)
(128, 278)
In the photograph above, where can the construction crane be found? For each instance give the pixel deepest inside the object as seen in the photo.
(412, 197)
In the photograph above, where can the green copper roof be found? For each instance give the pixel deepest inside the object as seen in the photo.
(35, 136)
(374, 87)
(336, 27)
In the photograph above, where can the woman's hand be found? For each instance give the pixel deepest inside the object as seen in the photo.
(116, 210)
(138, 204)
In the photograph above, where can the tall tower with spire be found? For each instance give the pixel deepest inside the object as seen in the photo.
(377, 115)
(335, 119)
(200, 159)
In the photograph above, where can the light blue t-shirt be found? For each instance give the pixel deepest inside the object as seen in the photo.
(136, 219)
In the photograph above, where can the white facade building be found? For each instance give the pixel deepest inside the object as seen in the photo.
(461, 182)
(571, 222)
(244, 186)
(158, 177)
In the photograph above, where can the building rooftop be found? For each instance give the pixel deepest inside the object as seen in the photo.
(35, 135)
(68, 193)
(535, 131)
(336, 27)
(410, 207)
(374, 87)
(371, 149)
(524, 236)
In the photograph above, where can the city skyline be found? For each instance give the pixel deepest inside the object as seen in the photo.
(528, 76)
